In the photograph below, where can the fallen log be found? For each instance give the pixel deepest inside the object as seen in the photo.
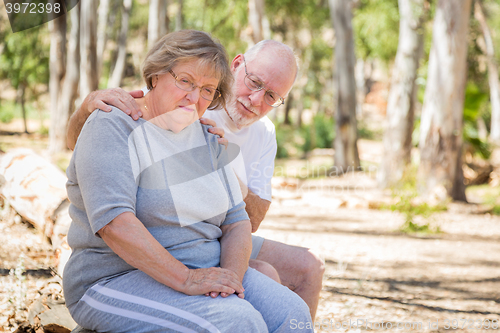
(36, 189)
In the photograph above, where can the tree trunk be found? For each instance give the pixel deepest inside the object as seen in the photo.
(402, 95)
(288, 107)
(59, 118)
(57, 65)
(102, 35)
(89, 80)
(121, 60)
(179, 20)
(156, 22)
(163, 19)
(256, 17)
(492, 73)
(153, 22)
(441, 125)
(345, 144)
(21, 90)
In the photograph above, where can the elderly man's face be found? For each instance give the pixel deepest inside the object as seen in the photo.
(248, 106)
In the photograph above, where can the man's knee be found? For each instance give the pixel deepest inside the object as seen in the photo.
(265, 268)
(313, 265)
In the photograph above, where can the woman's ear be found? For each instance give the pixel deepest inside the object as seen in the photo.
(154, 81)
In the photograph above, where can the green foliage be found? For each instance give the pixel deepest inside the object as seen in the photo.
(474, 107)
(319, 134)
(6, 115)
(25, 59)
(138, 20)
(487, 195)
(406, 195)
(365, 132)
(224, 19)
(285, 137)
(376, 29)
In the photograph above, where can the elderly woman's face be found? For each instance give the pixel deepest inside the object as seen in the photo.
(168, 96)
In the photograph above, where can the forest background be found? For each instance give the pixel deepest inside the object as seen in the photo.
(417, 77)
(430, 67)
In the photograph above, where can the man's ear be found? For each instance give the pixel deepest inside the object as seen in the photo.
(237, 61)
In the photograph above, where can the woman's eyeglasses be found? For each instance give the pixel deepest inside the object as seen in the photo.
(185, 84)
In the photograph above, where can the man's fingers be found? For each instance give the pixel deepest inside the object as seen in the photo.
(207, 121)
(223, 141)
(136, 93)
(217, 131)
(101, 106)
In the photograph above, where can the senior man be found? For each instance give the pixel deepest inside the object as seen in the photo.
(264, 76)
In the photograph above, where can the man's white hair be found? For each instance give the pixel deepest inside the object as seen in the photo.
(280, 50)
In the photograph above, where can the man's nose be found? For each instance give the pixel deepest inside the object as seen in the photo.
(256, 97)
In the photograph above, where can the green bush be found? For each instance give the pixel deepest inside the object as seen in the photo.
(319, 134)
(6, 115)
(405, 193)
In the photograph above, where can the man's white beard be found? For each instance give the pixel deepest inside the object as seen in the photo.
(239, 120)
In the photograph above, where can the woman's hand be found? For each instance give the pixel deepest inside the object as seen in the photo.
(212, 281)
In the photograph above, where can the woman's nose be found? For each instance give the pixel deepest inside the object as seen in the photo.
(194, 96)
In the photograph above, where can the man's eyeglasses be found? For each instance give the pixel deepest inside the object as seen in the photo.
(185, 84)
(253, 83)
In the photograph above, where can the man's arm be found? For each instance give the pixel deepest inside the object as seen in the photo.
(256, 208)
(102, 100)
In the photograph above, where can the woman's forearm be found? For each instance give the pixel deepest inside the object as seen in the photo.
(236, 246)
(130, 240)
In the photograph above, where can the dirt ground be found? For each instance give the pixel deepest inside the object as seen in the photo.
(377, 279)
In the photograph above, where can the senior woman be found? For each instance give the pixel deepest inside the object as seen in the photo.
(158, 218)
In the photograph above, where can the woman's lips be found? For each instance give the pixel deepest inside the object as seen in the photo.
(185, 108)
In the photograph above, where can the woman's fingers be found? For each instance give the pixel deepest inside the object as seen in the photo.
(213, 281)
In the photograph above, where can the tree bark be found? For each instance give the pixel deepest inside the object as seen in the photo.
(156, 22)
(179, 20)
(21, 98)
(69, 90)
(492, 73)
(440, 169)
(102, 35)
(402, 95)
(89, 80)
(256, 18)
(345, 144)
(121, 60)
(57, 66)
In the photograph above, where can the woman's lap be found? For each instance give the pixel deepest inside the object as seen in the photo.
(134, 302)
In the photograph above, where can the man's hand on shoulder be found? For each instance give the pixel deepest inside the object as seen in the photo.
(117, 97)
(102, 99)
(215, 130)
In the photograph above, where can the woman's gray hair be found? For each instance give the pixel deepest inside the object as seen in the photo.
(187, 45)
